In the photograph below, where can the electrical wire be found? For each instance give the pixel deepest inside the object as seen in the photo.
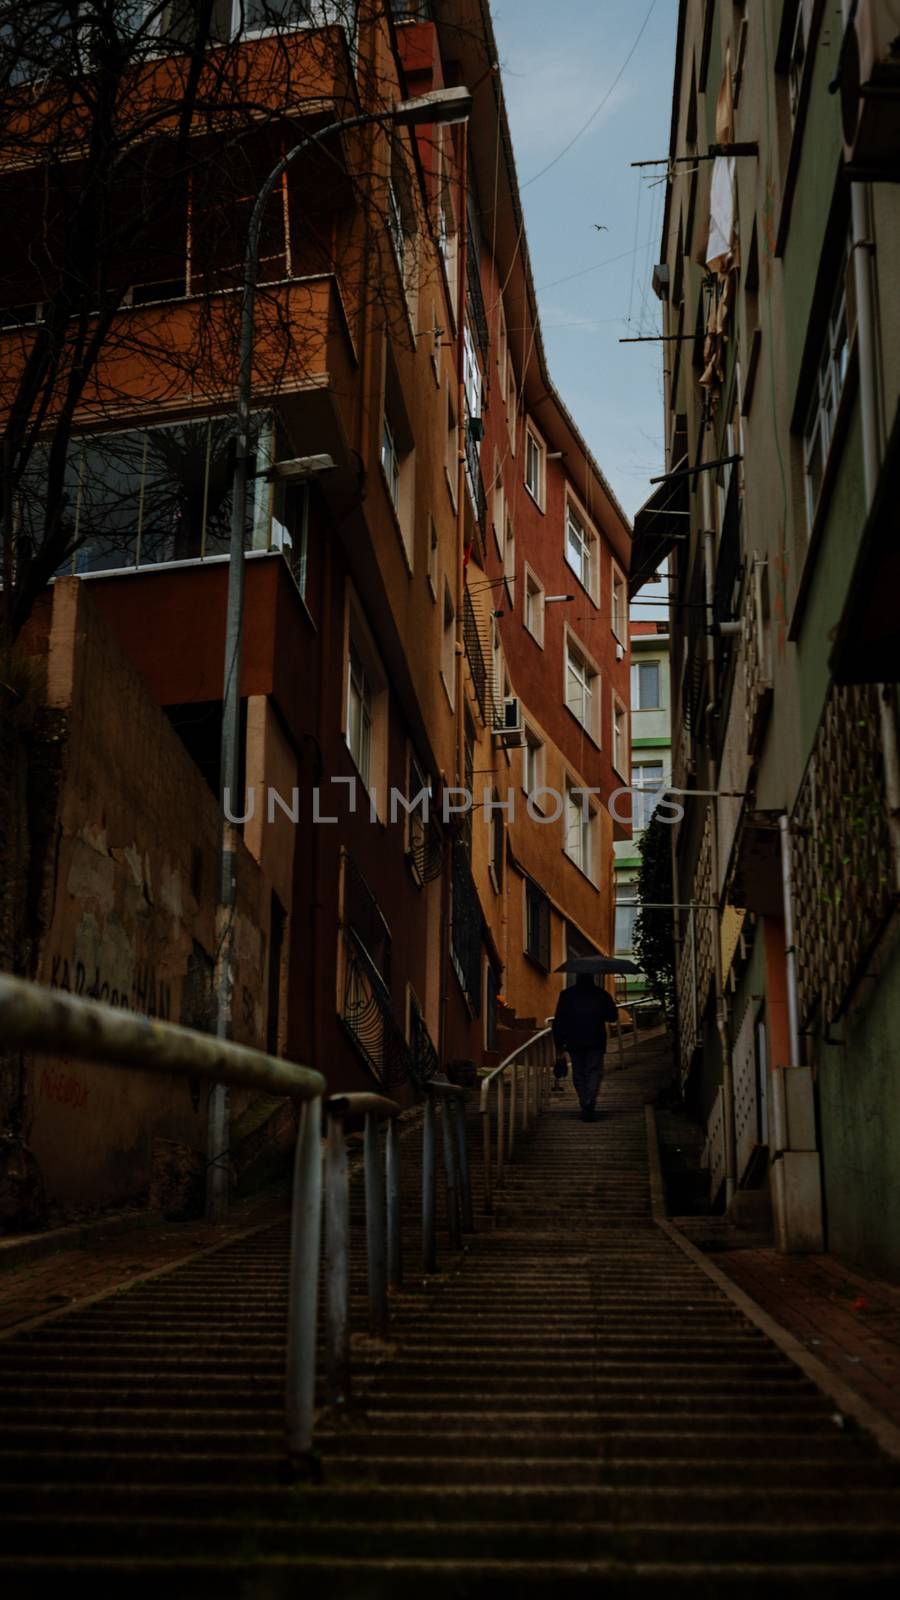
(597, 109)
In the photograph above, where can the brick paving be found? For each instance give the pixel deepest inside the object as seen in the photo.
(847, 1318)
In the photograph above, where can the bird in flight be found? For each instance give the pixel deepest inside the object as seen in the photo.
(601, 227)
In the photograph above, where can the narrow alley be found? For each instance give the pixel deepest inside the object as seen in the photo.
(570, 1402)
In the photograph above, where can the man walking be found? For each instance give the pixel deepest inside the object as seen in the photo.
(579, 1027)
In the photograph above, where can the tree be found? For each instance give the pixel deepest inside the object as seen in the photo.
(654, 942)
(134, 135)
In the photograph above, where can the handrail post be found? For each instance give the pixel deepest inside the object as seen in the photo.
(449, 1146)
(501, 1110)
(465, 1176)
(487, 1152)
(394, 1231)
(429, 1187)
(303, 1283)
(376, 1229)
(525, 1093)
(337, 1265)
(513, 1083)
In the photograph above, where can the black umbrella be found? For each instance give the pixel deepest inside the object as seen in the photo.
(602, 964)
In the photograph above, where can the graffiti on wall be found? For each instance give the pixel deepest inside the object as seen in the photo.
(146, 993)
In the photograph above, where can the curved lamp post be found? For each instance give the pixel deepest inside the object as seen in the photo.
(443, 106)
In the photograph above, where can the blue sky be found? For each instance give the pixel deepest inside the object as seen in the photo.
(558, 63)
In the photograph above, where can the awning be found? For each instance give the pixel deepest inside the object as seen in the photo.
(867, 646)
(661, 521)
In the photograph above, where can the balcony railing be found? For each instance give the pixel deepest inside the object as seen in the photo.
(729, 574)
(845, 875)
(475, 657)
(473, 476)
(478, 320)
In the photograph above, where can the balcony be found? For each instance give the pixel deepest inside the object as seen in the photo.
(159, 358)
(845, 872)
(478, 320)
(474, 480)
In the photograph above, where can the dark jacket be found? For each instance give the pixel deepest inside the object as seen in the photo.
(581, 1015)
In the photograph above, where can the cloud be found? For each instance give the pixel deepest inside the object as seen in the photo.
(549, 96)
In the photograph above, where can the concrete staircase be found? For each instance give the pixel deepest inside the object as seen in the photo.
(569, 1408)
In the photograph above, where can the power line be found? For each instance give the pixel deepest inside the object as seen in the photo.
(597, 109)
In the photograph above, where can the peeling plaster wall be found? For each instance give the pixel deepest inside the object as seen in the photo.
(131, 907)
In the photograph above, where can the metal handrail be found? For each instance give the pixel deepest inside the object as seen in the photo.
(33, 1017)
(536, 1085)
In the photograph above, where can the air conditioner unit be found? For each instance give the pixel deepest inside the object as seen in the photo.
(510, 731)
(620, 652)
(870, 86)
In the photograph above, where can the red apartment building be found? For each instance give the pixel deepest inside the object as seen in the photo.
(444, 609)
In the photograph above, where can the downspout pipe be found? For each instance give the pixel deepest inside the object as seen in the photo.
(790, 952)
(709, 564)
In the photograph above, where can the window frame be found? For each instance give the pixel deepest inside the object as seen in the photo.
(618, 606)
(828, 385)
(535, 446)
(620, 742)
(358, 639)
(589, 540)
(592, 687)
(532, 587)
(533, 750)
(574, 814)
(534, 897)
(640, 814)
(637, 701)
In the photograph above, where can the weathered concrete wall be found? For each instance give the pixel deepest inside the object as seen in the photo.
(131, 909)
(859, 1102)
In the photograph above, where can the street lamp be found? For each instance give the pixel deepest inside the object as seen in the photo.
(441, 107)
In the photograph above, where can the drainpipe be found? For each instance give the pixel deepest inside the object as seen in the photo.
(459, 668)
(709, 564)
(787, 890)
(871, 413)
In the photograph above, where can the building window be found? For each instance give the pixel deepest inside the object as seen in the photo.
(619, 613)
(626, 916)
(645, 686)
(499, 503)
(359, 715)
(646, 781)
(509, 562)
(152, 495)
(448, 645)
(532, 763)
(290, 529)
(498, 844)
(365, 705)
(537, 925)
(619, 736)
(534, 467)
(390, 462)
(582, 682)
(579, 822)
(451, 462)
(432, 558)
(828, 386)
(581, 550)
(534, 606)
(798, 55)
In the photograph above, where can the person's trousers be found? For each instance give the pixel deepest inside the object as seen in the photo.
(587, 1075)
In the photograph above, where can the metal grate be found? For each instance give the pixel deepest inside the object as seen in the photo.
(844, 872)
(475, 300)
(757, 653)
